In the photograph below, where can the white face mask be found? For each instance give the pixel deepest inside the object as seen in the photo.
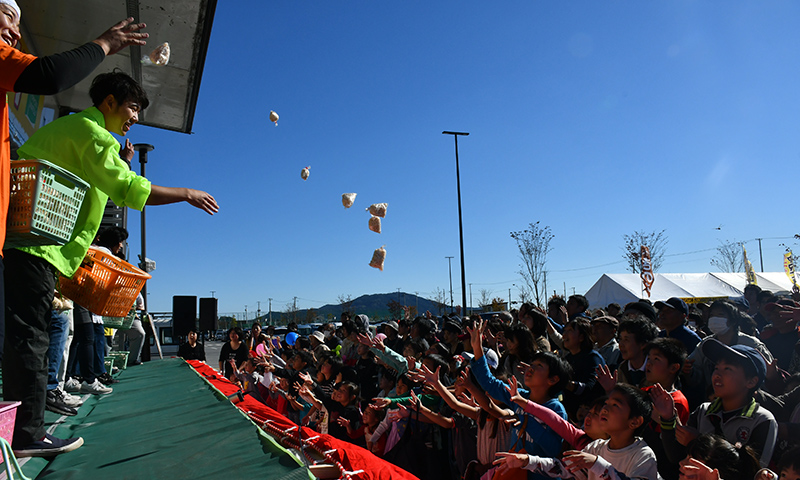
(718, 325)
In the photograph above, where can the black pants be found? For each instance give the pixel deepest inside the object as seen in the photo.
(29, 287)
(81, 352)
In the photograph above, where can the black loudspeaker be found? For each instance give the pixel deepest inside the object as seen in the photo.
(184, 315)
(208, 314)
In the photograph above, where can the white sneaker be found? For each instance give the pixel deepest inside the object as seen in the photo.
(73, 401)
(95, 388)
(71, 385)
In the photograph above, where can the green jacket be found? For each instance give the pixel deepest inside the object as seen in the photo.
(81, 144)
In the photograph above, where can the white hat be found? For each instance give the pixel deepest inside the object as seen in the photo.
(12, 4)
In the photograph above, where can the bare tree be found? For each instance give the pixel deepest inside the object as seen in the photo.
(346, 302)
(655, 241)
(534, 245)
(291, 311)
(485, 299)
(729, 257)
(440, 299)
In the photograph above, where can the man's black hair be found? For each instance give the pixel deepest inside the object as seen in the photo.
(302, 343)
(581, 301)
(672, 349)
(557, 301)
(305, 356)
(556, 366)
(638, 401)
(121, 86)
(642, 328)
(112, 236)
(752, 286)
(419, 346)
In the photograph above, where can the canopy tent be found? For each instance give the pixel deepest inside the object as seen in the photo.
(623, 288)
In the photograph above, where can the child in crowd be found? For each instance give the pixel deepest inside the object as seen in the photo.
(370, 419)
(634, 335)
(342, 404)
(622, 456)
(734, 414)
(711, 457)
(584, 359)
(545, 377)
(788, 467)
(248, 377)
(576, 438)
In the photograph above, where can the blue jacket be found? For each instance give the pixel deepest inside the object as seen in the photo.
(539, 439)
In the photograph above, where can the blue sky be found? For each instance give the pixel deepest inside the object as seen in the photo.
(595, 118)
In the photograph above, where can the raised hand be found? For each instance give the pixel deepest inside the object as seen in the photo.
(121, 35)
(429, 377)
(513, 390)
(663, 403)
(605, 378)
(202, 200)
(306, 378)
(364, 340)
(475, 337)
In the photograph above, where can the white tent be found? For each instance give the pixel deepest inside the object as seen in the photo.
(623, 288)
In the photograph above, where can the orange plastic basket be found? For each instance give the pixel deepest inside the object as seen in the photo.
(104, 284)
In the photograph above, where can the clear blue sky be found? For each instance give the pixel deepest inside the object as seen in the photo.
(595, 118)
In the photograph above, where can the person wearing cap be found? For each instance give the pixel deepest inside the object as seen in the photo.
(393, 340)
(450, 334)
(633, 309)
(672, 321)
(318, 346)
(724, 322)
(739, 371)
(21, 72)
(604, 331)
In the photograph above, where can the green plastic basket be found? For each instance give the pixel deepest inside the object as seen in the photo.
(44, 204)
(120, 323)
(120, 359)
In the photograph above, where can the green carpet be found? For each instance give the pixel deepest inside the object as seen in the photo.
(163, 421)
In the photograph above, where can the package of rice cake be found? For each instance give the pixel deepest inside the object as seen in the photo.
(375, 224)
(304, 173)
(377, 258)
(348, 199)
(378, 209)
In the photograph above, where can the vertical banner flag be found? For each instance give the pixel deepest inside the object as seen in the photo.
(647, 270)
(748, 269)
(789, 267)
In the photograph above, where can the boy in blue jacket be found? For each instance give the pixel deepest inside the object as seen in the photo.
(545, 378)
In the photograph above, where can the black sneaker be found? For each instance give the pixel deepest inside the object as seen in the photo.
(49, 446)
(55, 403)
(107, 379)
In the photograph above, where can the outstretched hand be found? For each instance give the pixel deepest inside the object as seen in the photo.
(697, 470)
(202, 200)
(509, 460)
(121, 35)
(475, 338)
(513, 390)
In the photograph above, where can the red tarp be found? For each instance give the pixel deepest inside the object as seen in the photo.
(352, 457)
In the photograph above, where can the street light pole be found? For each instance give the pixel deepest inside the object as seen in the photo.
(143, 148)
(450, 268)
(460, 226)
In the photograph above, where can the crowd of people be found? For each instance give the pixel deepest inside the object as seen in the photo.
(665, 390)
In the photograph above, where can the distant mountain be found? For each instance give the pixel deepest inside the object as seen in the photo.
(375, 306)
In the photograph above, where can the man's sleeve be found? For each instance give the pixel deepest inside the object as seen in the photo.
(55, 73)
(109, 174)
(763, 439)
(12, 64)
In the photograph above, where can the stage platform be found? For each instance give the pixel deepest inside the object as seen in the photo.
(164, 421)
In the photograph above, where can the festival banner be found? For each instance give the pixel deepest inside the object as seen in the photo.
(748, 268)
(647, 270)
(789, 267)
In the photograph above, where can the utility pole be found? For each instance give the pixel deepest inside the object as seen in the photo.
(294, 310)
(270, 311)
(460, 225)
(143, 148)
(416, 295)
(212, 293)
(760, 255)
(450, 268)
(258, 313)
(470, 298)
